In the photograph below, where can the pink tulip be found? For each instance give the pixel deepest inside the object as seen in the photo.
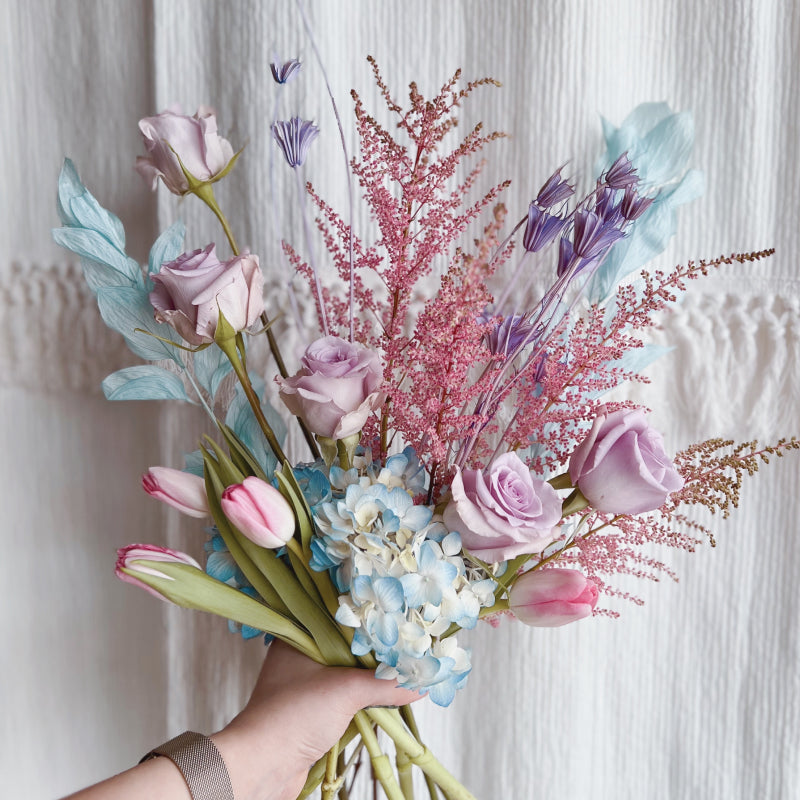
(552, 597)
(150, 553)
(260, 512)
(184, 491)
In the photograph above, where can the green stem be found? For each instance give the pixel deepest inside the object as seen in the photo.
(392, 724)
(407, 713)
(380, 761)
(331, 784)
(404, 776)
(206, 193)
(317, 773)
(229, 347)
(341, 767)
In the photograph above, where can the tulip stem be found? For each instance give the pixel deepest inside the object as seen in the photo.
(332, 783)
(407, 713)
(380, 761)
(392, 724)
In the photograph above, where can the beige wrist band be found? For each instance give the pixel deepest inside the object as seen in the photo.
(200, 763)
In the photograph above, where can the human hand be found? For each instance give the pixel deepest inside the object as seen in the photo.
(298, 710)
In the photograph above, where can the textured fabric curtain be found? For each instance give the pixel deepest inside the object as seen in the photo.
(696, 694)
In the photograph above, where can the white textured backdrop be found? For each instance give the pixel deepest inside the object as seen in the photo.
(695, 695)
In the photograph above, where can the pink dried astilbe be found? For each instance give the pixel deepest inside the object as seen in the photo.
(713, 472)
(583, 361)
(446, 362)
(408, 186)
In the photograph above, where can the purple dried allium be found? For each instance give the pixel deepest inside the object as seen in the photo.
(283, 73)
(606, 207)
(634, 205)
(621, 173)
(566, 256)
(508, 334)
(592, 234)
(541, 228)
(294, 138)
(554, 191)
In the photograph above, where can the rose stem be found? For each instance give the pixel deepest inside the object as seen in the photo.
(206, 194)
(232, 347)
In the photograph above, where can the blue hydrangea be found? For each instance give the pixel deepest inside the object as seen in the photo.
(220, 565)
(402, 580)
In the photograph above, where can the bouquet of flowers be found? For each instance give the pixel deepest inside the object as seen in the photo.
(465, 461)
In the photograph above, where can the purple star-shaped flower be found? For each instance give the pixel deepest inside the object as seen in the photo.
(294, 138)
(283, 73)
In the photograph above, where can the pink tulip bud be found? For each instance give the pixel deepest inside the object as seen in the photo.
(152, 555)
(184, 491)
(552, 597)
(260, 512)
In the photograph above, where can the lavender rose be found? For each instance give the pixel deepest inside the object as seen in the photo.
(336, 389)
(190, 292)
(171, 135)
(621, 466)
(504, 511)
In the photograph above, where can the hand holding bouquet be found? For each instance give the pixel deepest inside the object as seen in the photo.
(464, 462)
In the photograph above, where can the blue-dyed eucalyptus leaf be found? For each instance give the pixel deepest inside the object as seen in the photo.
(89, 214)
(659, 144)
(108, 266)
(193, 463)
(242, 421)
(144, 382)
(77, 207)
(210, 367)
(124, 309)
(167, 247)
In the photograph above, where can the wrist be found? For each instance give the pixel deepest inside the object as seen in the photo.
(258, 768)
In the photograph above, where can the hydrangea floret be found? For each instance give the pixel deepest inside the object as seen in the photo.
(402, 576)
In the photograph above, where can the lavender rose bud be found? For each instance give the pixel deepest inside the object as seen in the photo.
(336, 389)
(504, 511)
(170, 136)
(190, 292)
(621, 466)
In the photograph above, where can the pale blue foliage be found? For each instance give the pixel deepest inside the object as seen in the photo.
(94, 234)
(210, 367)
(242, 421)
(642, 357)
(97, 236)
(193, 463)
(167, 247)
(124, 309)
(659, 144)
(144, 382)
